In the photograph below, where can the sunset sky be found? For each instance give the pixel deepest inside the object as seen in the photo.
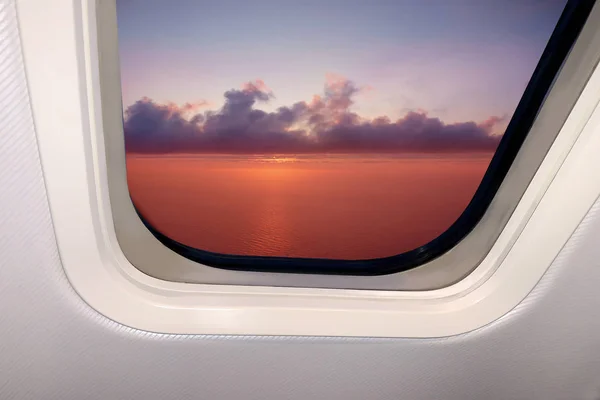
(459, 61)
(338, 129)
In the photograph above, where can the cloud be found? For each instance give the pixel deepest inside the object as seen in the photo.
(323, 124)
(192, 107)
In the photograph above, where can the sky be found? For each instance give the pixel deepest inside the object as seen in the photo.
(320, 76)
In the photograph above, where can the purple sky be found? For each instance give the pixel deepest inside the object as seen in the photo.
(461, 63)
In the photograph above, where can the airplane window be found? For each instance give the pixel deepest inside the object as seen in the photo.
(337, 136)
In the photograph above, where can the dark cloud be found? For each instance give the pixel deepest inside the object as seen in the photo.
(155, 127)
(325, 124)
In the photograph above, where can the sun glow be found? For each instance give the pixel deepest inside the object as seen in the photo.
(280, 159)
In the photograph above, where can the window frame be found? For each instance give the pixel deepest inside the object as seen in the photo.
(458, 251)
(562, 39)
(61, 63)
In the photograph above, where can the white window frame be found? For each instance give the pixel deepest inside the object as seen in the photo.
(150, 256)
(60, 66)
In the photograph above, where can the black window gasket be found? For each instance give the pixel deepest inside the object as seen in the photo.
(565, 34)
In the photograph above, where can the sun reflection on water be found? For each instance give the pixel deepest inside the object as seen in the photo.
(280, 159)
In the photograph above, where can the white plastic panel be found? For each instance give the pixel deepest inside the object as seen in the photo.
(66, 120)
(54, 346)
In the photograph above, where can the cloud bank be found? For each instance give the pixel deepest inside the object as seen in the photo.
(325, 124)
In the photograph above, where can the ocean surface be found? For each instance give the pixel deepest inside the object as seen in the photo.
(322, 206)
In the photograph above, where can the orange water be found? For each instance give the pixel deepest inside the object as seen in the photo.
(344, 207)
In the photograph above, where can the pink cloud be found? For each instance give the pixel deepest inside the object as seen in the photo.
(323, 124)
